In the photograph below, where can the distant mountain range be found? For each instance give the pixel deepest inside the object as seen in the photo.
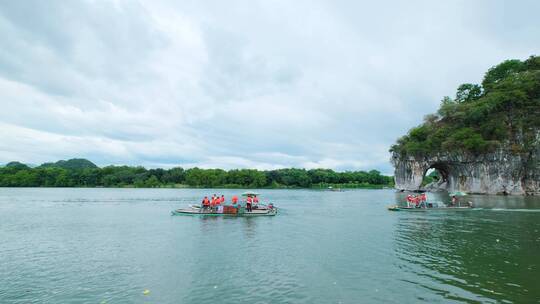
(74, 163)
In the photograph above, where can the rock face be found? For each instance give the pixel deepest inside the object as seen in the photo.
(501, 172)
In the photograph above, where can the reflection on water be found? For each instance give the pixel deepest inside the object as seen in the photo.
(478, 255)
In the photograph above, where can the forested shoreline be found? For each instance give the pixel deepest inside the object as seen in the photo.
(83, 173)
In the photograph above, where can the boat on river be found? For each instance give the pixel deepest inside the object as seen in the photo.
(421, 203)
(431, 207)
(236, 210)
(261, 210)
(423, 209)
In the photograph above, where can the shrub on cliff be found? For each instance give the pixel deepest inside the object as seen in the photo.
(504, 110)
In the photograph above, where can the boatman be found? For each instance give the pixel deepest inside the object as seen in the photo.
(248, 203)
(455, 201)
(255, 201)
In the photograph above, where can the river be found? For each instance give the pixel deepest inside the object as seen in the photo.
(110, 245)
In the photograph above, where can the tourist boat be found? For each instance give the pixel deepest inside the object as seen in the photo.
(430, 207)
(227, 210)
(261, 210)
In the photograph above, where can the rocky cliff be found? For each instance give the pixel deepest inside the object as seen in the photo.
(500, 172)
(484, 140)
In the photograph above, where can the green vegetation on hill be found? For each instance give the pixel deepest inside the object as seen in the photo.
(16, 166)
(74, 163)
(433, 176)
(83, 173)
(503, 111)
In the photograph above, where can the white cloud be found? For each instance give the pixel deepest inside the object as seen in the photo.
(243, 83)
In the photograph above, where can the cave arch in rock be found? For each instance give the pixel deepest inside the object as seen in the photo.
(443, 170)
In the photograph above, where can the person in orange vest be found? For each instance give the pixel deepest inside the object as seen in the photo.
(410, 200)
(235, 203)
(417, 200)
(206, 203)
(222, 200)
(249, 201)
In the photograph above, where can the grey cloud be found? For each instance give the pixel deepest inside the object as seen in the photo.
(242, 83)
(65, 49)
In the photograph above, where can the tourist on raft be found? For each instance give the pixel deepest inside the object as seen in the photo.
(236, 204)
(206, 203)
(416, 200)
(412, 200)
(214, 202)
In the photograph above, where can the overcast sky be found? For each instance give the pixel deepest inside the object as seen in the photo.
(235, 84)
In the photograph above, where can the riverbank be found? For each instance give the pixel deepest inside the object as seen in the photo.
(326, 187)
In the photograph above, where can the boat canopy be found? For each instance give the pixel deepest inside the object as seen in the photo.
(250, 193)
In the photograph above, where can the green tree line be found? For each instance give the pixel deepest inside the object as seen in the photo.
(503, 111)
(83, 173)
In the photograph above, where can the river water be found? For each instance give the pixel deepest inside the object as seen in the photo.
(109, 245)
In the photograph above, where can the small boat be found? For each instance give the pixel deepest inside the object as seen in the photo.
(415, 209)
(430, 207)
(197, 210)
(238, 210)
